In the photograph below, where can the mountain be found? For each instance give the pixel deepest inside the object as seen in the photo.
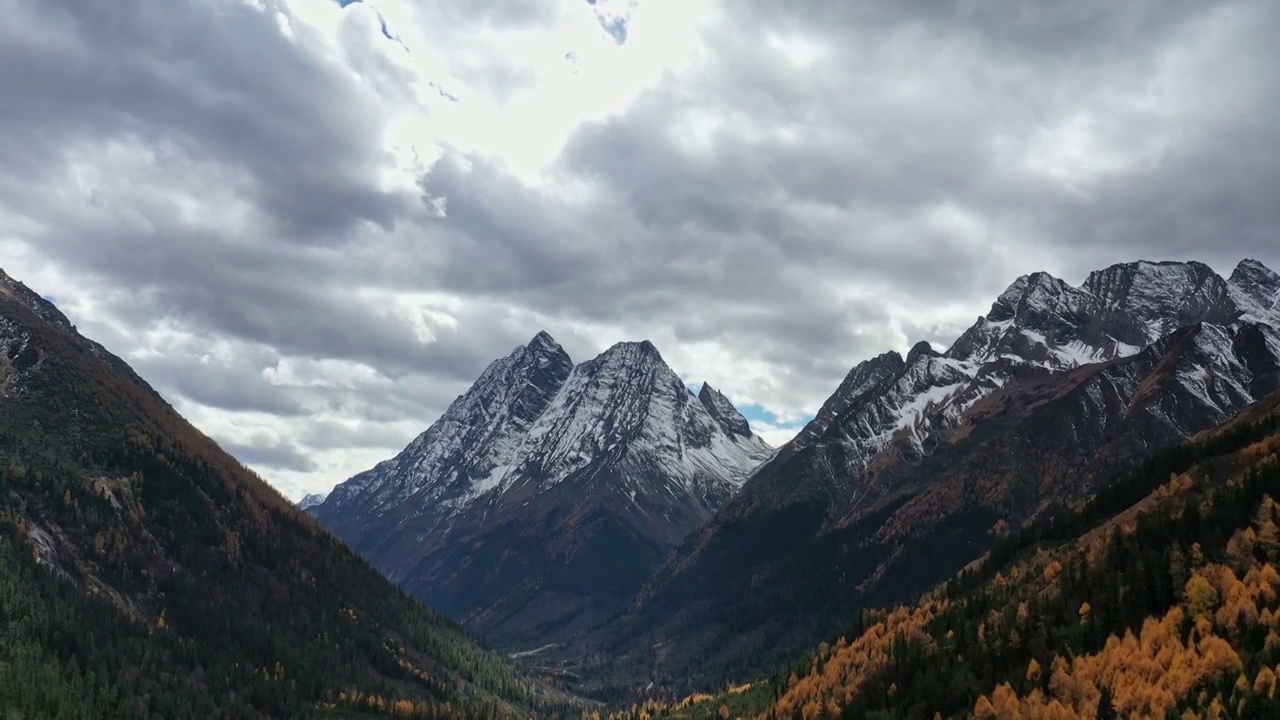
(1156, 598)
(145, 573)
(545, 495)
(916, 464)
(310, 501)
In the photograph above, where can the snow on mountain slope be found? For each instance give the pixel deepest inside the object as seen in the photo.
(723, 411)
(1256, 290)
(466, 452)
(915, 463)
(312, 500)
(628, 401)
(1039, 324)
(862, 379)
(1142, 302)
(613, 459)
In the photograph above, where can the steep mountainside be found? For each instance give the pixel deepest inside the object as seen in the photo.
(462, 456)
(1157, 598)
(545, 495)
(145, 573)
(916, 463)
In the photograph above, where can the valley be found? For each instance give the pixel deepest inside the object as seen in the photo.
(639, 360)
(627, 546)
(916, 466)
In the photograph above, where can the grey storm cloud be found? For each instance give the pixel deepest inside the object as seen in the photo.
(830, 180)
(265, 453)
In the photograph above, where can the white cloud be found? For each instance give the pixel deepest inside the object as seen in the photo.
(776, 436)
(311, 236)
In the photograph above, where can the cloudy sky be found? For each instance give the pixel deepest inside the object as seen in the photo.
(311, 223)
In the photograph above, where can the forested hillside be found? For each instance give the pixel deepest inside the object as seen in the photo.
(1157, 598)
(916, 464)
(145, 573)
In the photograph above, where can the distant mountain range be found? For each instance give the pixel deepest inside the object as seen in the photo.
(541, 506)
(916, 465)
(309, 501)
(633, 533)
(548, 493)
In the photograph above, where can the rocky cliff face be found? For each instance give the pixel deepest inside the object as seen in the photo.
(461, 457)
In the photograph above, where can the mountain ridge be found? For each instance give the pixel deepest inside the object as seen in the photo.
(1140, 355)
(149, 574)
(616, 447)
(1151, 599)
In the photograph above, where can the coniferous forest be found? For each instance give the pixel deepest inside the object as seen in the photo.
(144, 573)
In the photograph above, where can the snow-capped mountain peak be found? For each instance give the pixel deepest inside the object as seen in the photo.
(576, 478)
(1143, 301)
(544, 341)
(1256, 289)
(464, 454)
(723, 411)
(533, 419)
(312, 500)
(919, 350)
(1034, 297)
(628, 403)
(1039, 324)
(864, 379)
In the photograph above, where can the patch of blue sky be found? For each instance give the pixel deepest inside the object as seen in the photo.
(756, 414)
(615, 26)
(386, 32)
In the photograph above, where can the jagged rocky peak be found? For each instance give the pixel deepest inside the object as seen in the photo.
(864, 376)
(629, 396)
(1143, 301)
(623, 375)
(1252, 275)
(465, 453)
(33, 301)
(309, 501)
(544, 344)
(544, 365)
(1036, 311)
(723, 411)
(1143, 284)
(516, 388)
(630, 352)
(545, 350)
(919, 350)
(1031, 297)
(1256, 289)
(624, 392)
(862, 379)
(1039, 323)
(1115, 312)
